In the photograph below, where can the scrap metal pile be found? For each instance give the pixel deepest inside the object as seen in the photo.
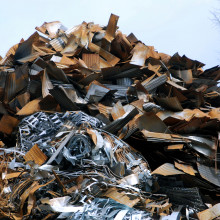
(97, 125)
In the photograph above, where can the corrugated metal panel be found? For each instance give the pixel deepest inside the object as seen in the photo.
(203, 145)
(121, 90)
(16, 81)
(148, 107)
(62, 98)
(92, 61)
(156, 82)
(185, 168)
(167, 169)
(158, 137)
(184, 196)
(58, 44)
(7, 61)
(209, 173)
(124, 81)
(132, 127)
(36, 155)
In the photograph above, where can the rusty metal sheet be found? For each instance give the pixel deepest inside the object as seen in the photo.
(36, 155)
(110, 58)
(152, 53)
(185, 75)
(51, 28)
(215, 113)
(23, 98)
(105, 110)
(30, 108)
(162, 136)
(167, 169)
(170, 103)
(131, 37)
(110, 32)
(25, 49)
(139, 52)
(120, 46)
(46, 84)
(71, 47)
(16, 81)
(92, 61)
(121, 197)
(185, 168)
(13, 175)
(117, 111)
(8, 123)
(210, 213)
(151, 122)
(175, 147)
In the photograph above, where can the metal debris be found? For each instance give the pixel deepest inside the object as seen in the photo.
(97, 125)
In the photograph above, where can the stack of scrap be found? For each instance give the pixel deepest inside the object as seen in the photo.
(95, 124)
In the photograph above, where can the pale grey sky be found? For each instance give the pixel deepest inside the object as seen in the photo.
(183, 26)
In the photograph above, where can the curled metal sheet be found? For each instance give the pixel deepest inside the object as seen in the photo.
(77, 148)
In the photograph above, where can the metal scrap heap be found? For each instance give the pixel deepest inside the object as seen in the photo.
(94, 124)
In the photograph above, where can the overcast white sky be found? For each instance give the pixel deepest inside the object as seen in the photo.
(183, 26)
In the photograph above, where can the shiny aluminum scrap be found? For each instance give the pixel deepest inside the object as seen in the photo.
(40, 127)
(99, 161)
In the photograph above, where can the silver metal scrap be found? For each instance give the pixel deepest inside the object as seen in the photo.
(40, 128)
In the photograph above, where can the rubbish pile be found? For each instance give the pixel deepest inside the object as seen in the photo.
(97, 125)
